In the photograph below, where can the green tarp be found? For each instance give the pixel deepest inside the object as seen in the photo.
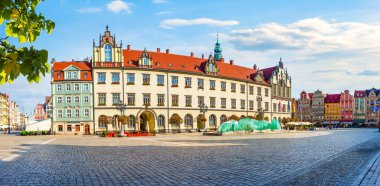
(248, 124)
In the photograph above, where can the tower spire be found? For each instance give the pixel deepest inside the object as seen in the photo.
(217, 49)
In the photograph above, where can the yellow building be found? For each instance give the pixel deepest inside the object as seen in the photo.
(3, 109)
(332, 109)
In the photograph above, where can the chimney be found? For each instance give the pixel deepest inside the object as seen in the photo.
(231, 62)
(254, 67)
(167, 51)
(192, 54)
(128, 47)
(158, 50)
(203, 56)
(222, 60)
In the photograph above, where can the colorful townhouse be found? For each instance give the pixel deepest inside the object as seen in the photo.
(360, 106)
(332, 109)
(372, 106)
(72, 97)
(318, 107)
(346, 108)
(39, 112)
(304, 109)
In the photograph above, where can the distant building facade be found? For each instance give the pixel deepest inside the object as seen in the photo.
(305, 103)
(346, 108)
(332, 109)
(318, 107)
(39, 112)
(48, 106)
(372, 106)
(360, 106)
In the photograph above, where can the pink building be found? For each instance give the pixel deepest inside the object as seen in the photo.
(347, 107)
(39, 112)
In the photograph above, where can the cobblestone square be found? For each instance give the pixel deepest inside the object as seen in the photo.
(322, 157)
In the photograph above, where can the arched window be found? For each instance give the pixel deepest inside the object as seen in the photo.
(223, 119)
(132, 121)
(212, 120)
(161, 121)
(108, 52)
(189, 121)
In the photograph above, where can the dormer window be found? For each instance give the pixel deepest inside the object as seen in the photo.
(85, 75)
(211, 66)
(75, 75)
(59, 75)
(145, 61)
(107, 53)
(68, 75)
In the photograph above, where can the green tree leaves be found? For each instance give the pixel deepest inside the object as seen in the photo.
(22, 22)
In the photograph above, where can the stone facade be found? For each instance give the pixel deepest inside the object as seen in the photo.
(318, 107)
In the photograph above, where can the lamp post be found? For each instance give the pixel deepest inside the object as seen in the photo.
(122, 106)
(203, 108)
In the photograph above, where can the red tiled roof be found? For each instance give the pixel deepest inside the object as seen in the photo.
(332, 98)
(359, 93)
(177, 62)
(85, 68)
(59, 66)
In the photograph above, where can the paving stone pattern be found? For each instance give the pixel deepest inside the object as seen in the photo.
(256, 161)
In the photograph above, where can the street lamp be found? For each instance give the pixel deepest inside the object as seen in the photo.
(122, 106)
(203, 108)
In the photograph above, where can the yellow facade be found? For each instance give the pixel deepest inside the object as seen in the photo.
(3, 98)
(332, 111)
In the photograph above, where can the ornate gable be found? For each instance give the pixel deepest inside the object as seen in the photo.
(259, 77)
(211, 67)
(71, 68)
(145, 60)
(107, 50)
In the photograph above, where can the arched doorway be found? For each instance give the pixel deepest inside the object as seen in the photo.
(87, 129)
(223, 118)
(212, 121)
(175, 122)
(201, 120)
(189, 121)
(147, 122)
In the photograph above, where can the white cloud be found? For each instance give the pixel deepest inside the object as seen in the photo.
(163, 12)
(171, 23)
(159, 1)
(118, 6)
(90, 10)
(329, 55)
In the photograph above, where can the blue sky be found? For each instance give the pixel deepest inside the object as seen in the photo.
(325, 44)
